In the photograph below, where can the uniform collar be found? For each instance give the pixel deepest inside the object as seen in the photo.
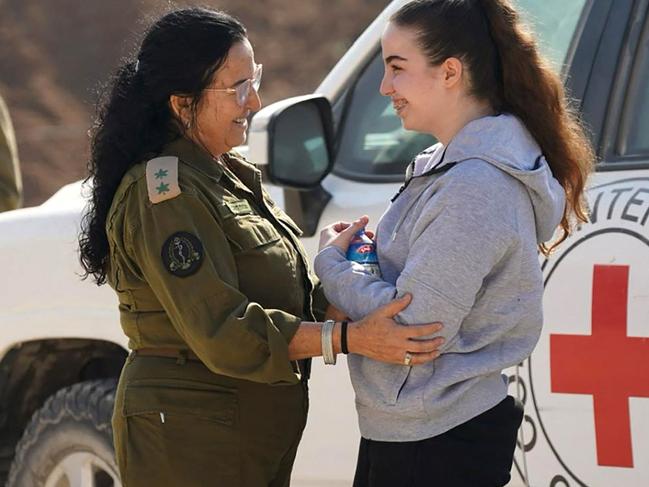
(244, 171)
(195, 156)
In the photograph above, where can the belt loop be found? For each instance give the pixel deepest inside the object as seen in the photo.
(182, 357)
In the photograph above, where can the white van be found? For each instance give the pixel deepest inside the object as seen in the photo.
(585, 388)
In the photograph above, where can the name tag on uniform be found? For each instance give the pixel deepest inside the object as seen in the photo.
(241, 207)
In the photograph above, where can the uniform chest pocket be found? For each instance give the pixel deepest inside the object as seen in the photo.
(248, 232)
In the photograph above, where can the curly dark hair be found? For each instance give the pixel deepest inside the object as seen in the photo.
(179, 55)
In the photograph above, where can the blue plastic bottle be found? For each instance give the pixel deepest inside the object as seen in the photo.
(362, 249)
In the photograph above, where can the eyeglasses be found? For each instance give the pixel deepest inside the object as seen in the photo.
(242, 90)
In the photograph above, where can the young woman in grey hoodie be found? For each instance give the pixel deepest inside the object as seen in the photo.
(462, 236)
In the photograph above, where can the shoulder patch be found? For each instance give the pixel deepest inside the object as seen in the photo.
(182, 254)
(162, 179)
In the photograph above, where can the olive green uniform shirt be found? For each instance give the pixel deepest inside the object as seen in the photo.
(245, 286)
(10, 182)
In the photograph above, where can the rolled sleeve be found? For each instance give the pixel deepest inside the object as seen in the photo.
(320, 301)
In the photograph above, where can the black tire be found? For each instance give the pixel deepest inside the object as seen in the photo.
(72, 428)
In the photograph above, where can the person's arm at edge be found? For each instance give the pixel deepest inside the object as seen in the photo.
(10, 181)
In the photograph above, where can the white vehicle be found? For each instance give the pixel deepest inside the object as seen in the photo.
(585, 388)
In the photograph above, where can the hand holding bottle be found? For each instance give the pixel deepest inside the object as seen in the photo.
(340, 234)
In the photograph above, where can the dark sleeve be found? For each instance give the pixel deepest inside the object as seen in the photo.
(320, 302)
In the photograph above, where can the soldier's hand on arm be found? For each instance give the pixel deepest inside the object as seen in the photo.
(177, 244)
(376, 336)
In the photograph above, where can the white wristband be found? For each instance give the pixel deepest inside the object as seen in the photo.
(327, 338)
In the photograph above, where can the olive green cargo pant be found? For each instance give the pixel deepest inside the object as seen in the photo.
(178, 424)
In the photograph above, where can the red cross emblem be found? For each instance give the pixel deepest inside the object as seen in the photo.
(609, 365)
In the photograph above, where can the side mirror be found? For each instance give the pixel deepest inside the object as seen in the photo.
(294, 138)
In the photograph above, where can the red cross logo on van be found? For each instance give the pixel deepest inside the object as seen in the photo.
(581, 364)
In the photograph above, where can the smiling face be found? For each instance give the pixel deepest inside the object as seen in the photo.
(220, 122)
(422, 95)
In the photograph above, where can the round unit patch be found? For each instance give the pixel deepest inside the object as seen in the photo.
(182, 254)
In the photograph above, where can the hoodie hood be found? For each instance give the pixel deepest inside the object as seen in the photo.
(504, 142)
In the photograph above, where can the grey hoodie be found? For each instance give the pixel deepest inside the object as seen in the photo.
(462, 239)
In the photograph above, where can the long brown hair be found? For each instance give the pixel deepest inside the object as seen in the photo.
(506, 68)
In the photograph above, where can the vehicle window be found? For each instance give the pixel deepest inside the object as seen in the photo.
(635, 131)
(554, 22)
(374, 146)
(373, 141)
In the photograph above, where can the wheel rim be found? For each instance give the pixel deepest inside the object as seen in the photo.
(82, 469)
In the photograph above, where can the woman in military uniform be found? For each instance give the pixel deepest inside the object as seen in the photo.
(215, 292)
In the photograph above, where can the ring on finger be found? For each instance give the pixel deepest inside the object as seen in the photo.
(407, 359)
